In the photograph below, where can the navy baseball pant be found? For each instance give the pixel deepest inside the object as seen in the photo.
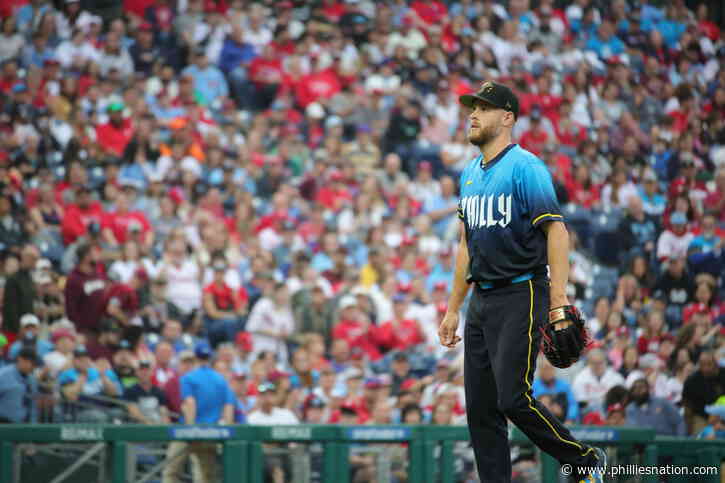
(501, 340)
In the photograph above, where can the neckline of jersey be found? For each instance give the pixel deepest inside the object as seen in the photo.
(496, 159)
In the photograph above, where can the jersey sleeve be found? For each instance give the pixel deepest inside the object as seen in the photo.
(539, 197)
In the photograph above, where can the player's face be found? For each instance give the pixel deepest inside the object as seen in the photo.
(486, 123)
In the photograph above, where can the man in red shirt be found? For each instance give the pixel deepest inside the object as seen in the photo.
(333, 196)
(715, 201)
(79, 215)
(266, 72)
(222, 306)
(687, 182)
(114, 135)
(322, 83)
(355, 329)
(536, 137)
(399, 334)
(123, 224)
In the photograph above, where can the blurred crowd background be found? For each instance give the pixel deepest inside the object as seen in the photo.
(270, 188)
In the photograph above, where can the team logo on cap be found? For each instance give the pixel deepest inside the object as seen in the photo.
(487, 86)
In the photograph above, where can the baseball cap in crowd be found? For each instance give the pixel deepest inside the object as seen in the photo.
(399, 298)
(186, 355)
(496, 94)
(315, 402)
(202, 351)
(28, 353)
(717, 409)
(373, 383)
(348, 407)
(115, 107)
(649, 175)
(649, 361)
(19, 87)
(60, 333)
(616, 407)
(678, 218)
(29, 319)
(219, 265)
(347, 301)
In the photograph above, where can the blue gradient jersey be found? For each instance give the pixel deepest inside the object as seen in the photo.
(502, 206)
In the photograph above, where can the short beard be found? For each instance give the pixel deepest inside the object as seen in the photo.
(484, 137)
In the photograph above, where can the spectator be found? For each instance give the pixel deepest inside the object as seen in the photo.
(86, 380)
(209, 82)
(19, 294)
(675, 287)
(183, 278)
(558, 389)
(649, 411)
(18, 388)
(591, 384)
(172, 388)
(355, 328)
(400, 333)
(673, 242)
(146, 402)
(268, 413)
(716, 419)
(84, 292)
(702, 388)
(639, 230)
(616, 415)
(206, 398)
(223, 306)
(271, 322)
(114, 135)
(64, 343)
(29, 336)
(654, 332)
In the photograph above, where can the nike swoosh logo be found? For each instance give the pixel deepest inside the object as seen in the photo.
(469, 182)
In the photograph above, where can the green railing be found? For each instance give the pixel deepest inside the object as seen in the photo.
(243, 460)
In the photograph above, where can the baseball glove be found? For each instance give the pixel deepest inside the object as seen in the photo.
(564, 337)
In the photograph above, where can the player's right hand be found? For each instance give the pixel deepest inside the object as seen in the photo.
(447, 330)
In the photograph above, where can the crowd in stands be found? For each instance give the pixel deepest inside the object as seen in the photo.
(273, 185)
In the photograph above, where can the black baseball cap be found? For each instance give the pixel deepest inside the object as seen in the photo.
(495, 94)
(29, 354)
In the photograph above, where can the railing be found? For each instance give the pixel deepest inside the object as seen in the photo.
(430, 449)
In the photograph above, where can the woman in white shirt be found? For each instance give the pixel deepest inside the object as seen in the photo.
(271, 322)
(617, 193)
(130, 262)
(76, 51)
(11, 42)
(183, 277)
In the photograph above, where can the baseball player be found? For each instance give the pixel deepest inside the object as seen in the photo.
(511, 229)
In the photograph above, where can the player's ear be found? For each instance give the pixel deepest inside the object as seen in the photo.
(508, 119)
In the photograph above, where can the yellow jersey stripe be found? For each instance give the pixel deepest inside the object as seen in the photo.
(545, 215)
